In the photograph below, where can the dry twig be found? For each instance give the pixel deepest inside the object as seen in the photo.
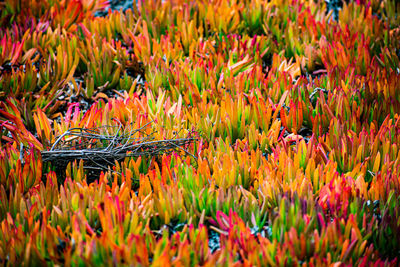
(100, 147)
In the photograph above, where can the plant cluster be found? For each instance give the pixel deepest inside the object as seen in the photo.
(296, 115)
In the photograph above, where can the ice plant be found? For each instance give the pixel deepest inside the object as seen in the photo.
(295, 113)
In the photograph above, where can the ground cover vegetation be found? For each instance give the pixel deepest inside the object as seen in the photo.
(294, 114)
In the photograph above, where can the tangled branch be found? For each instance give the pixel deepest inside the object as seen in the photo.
(100, 147)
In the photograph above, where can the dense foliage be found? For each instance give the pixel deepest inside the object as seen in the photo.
(297, 160)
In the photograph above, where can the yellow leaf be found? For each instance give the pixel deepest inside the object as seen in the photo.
(377, 163)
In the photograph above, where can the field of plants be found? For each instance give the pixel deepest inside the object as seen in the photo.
(292, 115)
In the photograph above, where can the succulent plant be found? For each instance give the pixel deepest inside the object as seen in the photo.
(296, 114)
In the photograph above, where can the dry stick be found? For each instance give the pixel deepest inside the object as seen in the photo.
(119, 146)
(115, 136)
(59, 138)
(125, 148)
